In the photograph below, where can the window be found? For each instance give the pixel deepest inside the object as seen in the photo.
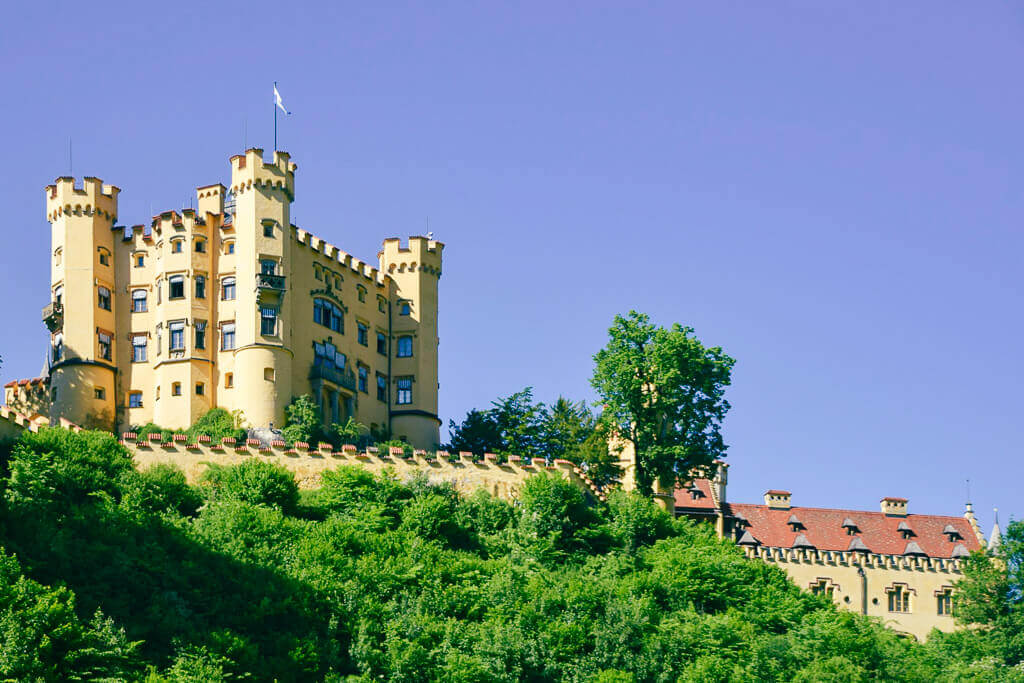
(229, 247)
(404, 347)
(104, 340)
(134, 399)
(139, 354)
(57, 255)
(327, 314)
(268, 266)
(227, 292)
(103, 294)
(176, 246)
(200, 388)
(200, 246)
(404, 308)
(268, 374)
(382, 344)
(58, 295)
(99, 393)
(177, 336)
(362, 334)
(337, 282)
(382, 304)
(58, 348)
(229, 380)
(140, 260)
(200, 286)
(361, 293)
(327, 354)
(404, 391)
(227, 337)
(899, 598)
(364, 377)
(104, 258)
(200, 334)
(317, 274)
(139, 301)
(822, 587)
(944, 600)
(176, 389)
(382, 388)
(158, 392)
(268, 229)
(268, 321)
(176, 287)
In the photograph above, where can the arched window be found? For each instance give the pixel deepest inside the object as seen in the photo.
(139, 301)
(329, 315)
(58, 348)
(103, 298)
(58, 295)
(227, 289)
(404, 347)
(200, 246)
(176, 246)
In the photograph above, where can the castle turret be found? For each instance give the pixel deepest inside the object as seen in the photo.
(80, 315)
(262, 357)
(416, 270)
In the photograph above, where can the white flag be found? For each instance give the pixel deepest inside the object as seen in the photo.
(277, 100)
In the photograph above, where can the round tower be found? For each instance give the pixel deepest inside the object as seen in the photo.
(262, 359)
(80, 315)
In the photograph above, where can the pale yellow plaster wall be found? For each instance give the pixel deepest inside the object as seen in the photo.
(924, 577)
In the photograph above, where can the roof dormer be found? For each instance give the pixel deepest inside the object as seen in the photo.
(952, 534)
(850, 526)
(795, 524)
(905, 530)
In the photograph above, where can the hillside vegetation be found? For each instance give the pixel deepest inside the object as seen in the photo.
(111, 574)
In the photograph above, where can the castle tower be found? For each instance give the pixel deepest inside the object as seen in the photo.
(416, 270)
(81, 316)
(262, 357)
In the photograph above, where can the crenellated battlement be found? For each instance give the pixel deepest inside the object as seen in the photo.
(828, 558)
(249, 170)
(466, 471)
(420, 255)
(93, 198)
(339, 256)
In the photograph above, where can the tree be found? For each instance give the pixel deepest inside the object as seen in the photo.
(521, 424)
(217, 423)
(663, 392)
(478, 433)
(303, 420)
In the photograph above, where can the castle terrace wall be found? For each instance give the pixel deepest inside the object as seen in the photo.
(465, 471)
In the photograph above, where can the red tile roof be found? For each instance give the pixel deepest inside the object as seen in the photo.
(824, 529)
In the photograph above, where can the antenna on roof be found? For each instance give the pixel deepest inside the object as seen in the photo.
(968, 491)
(71, 165)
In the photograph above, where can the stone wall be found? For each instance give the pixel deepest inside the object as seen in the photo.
(466, 471)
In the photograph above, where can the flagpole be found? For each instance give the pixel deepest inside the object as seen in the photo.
(275, 116)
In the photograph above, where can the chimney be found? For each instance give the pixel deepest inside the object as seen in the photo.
(777, 500)
(894, 507)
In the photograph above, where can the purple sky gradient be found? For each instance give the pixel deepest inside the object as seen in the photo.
(831, 193)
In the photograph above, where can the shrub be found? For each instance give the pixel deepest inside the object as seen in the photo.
(159, 488)
(217, 424)
(304, 420)
(254, 481)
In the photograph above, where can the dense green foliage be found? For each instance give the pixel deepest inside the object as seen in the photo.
(516, 425)
(108, 573)
(664, 392)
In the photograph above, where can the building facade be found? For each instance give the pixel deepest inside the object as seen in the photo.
(230, 305)
(890, 564)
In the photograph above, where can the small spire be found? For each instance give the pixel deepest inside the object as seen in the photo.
(995, 539)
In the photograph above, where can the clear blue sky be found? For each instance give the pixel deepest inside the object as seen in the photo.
(830, 191)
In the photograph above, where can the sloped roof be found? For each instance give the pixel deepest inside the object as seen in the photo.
(704, 502)
(824, 529)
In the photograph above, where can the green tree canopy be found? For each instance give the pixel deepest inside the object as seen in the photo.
(663, 393)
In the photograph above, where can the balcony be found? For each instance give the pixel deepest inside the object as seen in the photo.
(53, 316)
(345, 379)
(272, 282)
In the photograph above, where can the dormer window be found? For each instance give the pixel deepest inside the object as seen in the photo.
(905, 530)
(795, 524)
(695, 492)
(952, 534)
(851, 527)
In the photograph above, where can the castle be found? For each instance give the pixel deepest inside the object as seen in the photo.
(231, 306)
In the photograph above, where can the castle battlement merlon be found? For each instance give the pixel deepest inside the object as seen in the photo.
(825, 558)
(94, 198)
(250, 170)
(421, 253)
